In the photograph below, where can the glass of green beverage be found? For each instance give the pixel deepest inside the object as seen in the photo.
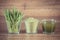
(31, 25)
(48, 25)
(13, 20)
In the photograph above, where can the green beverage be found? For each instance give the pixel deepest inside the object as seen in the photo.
(13, 20)
(31, 25)
(48, 26)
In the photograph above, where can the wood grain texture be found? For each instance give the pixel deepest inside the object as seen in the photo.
(29, 37)
(39, 9)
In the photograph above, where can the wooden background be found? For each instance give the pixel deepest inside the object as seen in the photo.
(39, 9)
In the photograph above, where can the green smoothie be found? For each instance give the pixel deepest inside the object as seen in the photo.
(48, 26)
(31, 25)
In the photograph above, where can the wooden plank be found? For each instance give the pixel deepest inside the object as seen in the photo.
(30, 37)
(39, 9)
(42, 12)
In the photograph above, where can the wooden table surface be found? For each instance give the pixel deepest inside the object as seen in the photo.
(29, 36)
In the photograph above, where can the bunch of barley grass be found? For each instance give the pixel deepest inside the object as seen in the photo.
(13, 19)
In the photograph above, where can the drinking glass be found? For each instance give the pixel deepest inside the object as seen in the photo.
(48, 25)
(31, 25)
(13, 20)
